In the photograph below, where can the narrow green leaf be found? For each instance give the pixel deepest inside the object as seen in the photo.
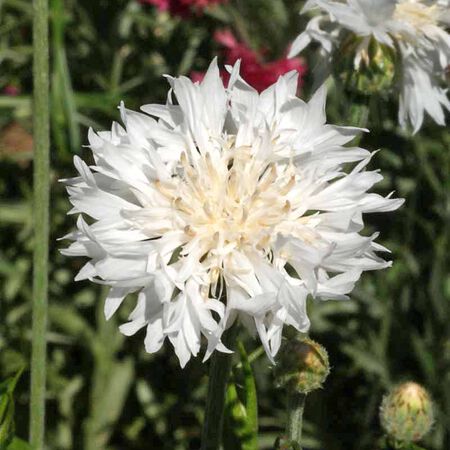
(107, 404)
(188, 58)
(7, 410)
(70, 321)
(251, 399)
(19, 444)
(61, 76)
(241, 407)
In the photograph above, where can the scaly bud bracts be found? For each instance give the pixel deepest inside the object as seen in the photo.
(302, 366)
(368, 69)
(406, 413)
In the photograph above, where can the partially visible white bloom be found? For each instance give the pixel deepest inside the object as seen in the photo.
(415, 28)
(225, 204)
(420, 93)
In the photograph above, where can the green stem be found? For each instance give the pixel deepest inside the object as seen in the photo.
(41, 220)
(295, 408)
(219, 373)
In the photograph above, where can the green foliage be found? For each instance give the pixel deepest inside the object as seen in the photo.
(104, 391)
(7, 428)
(19, 444)
(392, 444)
(241, 407)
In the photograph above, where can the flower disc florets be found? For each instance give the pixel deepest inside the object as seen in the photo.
(226, 204)
(231, 202)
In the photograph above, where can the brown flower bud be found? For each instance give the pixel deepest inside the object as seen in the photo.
(302, 365)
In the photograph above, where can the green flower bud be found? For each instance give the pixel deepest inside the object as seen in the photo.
(366, 70)
(406, 413)
(302, 366)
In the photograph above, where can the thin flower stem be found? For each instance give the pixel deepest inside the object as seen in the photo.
(41, 220)
(219, 373)
(253, 356)
(295, 408)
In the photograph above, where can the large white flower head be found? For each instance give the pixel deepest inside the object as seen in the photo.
(416, 29)
(224, 204)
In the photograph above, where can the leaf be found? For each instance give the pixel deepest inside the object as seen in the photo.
(188, 58)
(7, 410)
(424, 357)
(251, 400)
(61, 77)
(15, 213)
(241, 407)
(365, 360)
(69, 320)
(112, 379)
(19, 444)
(107, 404)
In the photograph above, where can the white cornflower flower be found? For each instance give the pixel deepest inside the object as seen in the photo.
(415, 28)
(224, 204)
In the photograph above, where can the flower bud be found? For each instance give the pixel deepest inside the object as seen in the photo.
(302, 366)
(406, 413)
(366, 70)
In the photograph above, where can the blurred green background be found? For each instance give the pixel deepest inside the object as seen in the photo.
(104, 391)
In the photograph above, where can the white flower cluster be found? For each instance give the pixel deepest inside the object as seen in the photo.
(415, 28)
(224, 204)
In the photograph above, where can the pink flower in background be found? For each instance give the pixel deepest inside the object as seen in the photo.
(182, 8)
(257, 72)
(197, 76)
(11, 90)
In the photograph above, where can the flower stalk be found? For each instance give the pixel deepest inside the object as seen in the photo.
(302, 367)
(41, 220)
(219, 373)
(295, 408)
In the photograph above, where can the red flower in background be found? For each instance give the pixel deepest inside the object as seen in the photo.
(257, 72)
(182, 8)
(11, 90)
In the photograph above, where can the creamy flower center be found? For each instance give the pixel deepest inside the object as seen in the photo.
(416, 14)
(230, 201)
